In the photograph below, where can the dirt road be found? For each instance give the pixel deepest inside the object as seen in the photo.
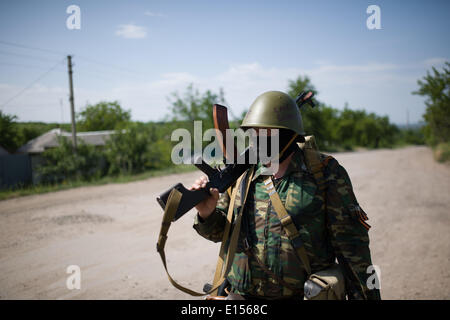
(110, 232)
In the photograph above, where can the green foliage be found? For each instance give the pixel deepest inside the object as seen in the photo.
(195, 106)
(412, 136)
(321, 122)
(27, 131)
(13, 135)
(435, 87)
(61, 163)
(103, 116)
(8, 132)
(133, 149)
(139, 147)
(358, 128)
(300, 84)
(442, 152)
(337, 130)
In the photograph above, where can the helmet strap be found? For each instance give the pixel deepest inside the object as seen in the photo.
(287, 149)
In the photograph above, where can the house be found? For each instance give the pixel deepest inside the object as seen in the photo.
(50, 140)
(35, 147)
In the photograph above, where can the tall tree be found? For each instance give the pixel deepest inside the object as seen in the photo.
(318, 121)
(193, 105)
(300, 84)
(103, 116)
(435, 86)
(8, 131)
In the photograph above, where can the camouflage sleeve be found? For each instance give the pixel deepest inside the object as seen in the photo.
(212, 227)
(349, 232)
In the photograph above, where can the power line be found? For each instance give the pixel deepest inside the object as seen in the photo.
(119, 69)
(110, 65)
(22, 65)
(32, 83)
(32, 48)
(92, 72)
(15, 54)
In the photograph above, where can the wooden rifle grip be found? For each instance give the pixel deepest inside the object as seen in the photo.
(221, 124)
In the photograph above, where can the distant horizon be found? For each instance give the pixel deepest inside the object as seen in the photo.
(400, 125)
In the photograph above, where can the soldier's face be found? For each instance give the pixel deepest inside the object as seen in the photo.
(265, 132)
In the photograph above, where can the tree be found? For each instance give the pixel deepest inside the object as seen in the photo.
(319, 121)
(345, 129)
(8, 132)
(195, 106)
(435, 87)
(137, 148)
(103, 116)
(300, 84)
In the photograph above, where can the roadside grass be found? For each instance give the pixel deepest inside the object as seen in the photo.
(39, 189)
(442, 152)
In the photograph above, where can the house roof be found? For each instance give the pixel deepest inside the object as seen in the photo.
(50, 140)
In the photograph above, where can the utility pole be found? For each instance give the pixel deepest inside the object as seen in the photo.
(72, 107)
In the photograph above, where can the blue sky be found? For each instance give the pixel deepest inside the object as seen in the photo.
(138, 52)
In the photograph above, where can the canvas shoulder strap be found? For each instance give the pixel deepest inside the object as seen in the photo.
(315, 165)
(220, 273)
(173, 202)
(314, 161)
(220, 261)
(287, 223)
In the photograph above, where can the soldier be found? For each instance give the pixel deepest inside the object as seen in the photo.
(275, 258)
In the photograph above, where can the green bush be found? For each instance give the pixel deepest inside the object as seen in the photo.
(62, 164)
(435, 87)
(102, 116)
(343, 129)
(442, 152)
(137, 148)
(133, 149)
(412, 136)
(8, 132)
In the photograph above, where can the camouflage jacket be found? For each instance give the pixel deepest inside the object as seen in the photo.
(337, 229)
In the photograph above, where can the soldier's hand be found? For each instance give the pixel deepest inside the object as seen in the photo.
(207, 206)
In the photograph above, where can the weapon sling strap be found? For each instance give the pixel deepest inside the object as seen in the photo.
(219, 267)
(173, 202)
(287, 223)
(313, 161)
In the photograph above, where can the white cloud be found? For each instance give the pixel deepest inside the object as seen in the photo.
(154, 14)
(380, 88)
(131, 31)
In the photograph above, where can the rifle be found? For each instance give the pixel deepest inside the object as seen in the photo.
(221, 179)
(178, 200)
(305, 97)
(218, 178)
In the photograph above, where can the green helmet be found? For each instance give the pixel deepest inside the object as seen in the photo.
(274, 109)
